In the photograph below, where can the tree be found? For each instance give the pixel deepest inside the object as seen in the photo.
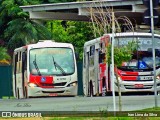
(121, 54)
(103, 22)
(10, 9)
(19, 29)
(79, 33)
(76, 33)
(4, 56)
(23, 32)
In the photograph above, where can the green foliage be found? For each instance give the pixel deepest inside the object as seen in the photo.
(121, 53)
(76, 33)
(3, 54)
(59, 32)
(17, 28)
(79, 33)
(21, 32)
(11, 8)
(60, 1)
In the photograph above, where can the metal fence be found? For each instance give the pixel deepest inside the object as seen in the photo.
(5, 81)
(80, 85)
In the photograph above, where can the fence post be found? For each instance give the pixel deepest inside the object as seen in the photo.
(80, 85)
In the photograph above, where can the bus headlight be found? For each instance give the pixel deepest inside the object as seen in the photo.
(119, 78)
(32, 85)
(72, 84)
(158, 77)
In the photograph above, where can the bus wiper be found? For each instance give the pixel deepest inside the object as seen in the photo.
(54, 63)
(58, 66)
(36, 66)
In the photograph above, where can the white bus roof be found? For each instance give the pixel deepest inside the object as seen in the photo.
(132, 34)
(96, 40)
(45, 43)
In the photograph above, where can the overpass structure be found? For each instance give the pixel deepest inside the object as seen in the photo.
(79, 11)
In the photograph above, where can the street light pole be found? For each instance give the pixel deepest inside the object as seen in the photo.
(112, 59)
(153, 52)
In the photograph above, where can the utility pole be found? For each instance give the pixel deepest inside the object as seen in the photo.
(112, 59)
(153, 51)
(151, 18)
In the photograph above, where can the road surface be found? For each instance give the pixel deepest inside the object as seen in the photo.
(129, 103)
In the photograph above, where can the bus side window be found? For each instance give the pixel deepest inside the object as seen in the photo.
(101, 57)
(24, 61)
(24, 66)
(18, 62)
(84, 60)
(84, 57)
(101, 54)
(91, 58)
(19, 56)
(92, 50)
(15, 63)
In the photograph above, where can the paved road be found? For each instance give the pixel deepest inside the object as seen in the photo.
(77, 103)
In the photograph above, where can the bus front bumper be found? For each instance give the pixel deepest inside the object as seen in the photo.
(132, 86)
(58, 91)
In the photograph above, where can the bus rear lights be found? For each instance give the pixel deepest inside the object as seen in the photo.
(32, 85)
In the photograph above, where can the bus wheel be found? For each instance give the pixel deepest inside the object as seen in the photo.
(91, 89)
(26, 93)
(104, 91)
(17, 94)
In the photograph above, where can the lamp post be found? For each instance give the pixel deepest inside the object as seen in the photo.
(153, 51)
(151, 18)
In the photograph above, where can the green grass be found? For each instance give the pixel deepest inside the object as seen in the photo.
(103, 115)
(104, 118)
(7, 97)
(151, 109)
(147, 111)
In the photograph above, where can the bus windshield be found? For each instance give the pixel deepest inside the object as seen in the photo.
(51, 61)
(142, 59)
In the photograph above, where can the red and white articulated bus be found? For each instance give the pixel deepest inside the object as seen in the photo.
(46, 68)
(136, 75)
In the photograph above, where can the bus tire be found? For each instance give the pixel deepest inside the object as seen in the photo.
(26, 93)
(104, 92)
(104, 89)
(90, 89)
(17, 94)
